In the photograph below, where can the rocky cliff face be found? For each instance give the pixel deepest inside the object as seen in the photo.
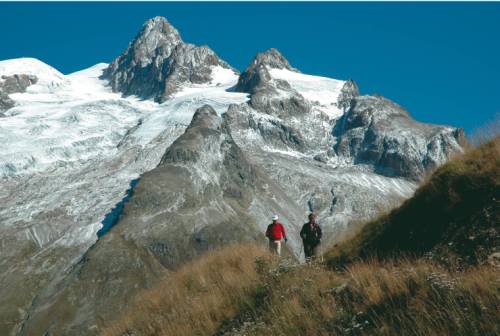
(215, 160)
(380, 133)
(158, 63)
(364, 130)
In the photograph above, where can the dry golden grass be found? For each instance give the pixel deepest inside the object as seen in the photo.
(389, 298)
(486, 132)
(197, 298)
(422, 298)
(480, 160)
(241, 290)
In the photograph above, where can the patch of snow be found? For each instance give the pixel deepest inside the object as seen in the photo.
(291, 153)
(322, 90)
(381, 184)
(223, 76)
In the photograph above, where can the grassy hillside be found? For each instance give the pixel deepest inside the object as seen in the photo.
(454, 216)
(196, 298)
(393, 278)
(241, 290)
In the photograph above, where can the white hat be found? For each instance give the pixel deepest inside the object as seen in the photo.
(275, 217)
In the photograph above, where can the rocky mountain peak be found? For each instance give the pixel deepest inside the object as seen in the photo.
(157, 63)
(348, 92)
(256, 76)
(273, 59)
(156, 36)
(379, 132)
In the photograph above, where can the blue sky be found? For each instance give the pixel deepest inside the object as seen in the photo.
(438, 60)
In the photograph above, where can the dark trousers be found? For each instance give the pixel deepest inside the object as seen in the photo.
(311, 250)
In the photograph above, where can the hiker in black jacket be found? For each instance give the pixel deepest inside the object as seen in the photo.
(311, 237)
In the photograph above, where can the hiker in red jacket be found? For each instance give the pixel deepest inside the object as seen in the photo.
(275, 232)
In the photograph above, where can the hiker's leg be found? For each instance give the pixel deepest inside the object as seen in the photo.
(315, 251)
(278, 247)
(307, 251)
(271, 246)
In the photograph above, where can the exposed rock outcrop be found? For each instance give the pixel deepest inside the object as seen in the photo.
(256, 77)
(13, 84)
(5, 103)
(348, 92)
(16, 83)
(381, 133)
(158, 63)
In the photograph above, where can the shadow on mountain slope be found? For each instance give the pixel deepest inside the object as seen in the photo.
(113, 216)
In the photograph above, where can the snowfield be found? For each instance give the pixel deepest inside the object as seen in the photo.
(66, 120)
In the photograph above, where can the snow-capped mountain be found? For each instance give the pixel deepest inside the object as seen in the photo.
(204, 155)
(158, 63)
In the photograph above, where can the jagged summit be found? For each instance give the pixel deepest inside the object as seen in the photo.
(156, 35)
(273, 59)
(256, 76)
(157, 63)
